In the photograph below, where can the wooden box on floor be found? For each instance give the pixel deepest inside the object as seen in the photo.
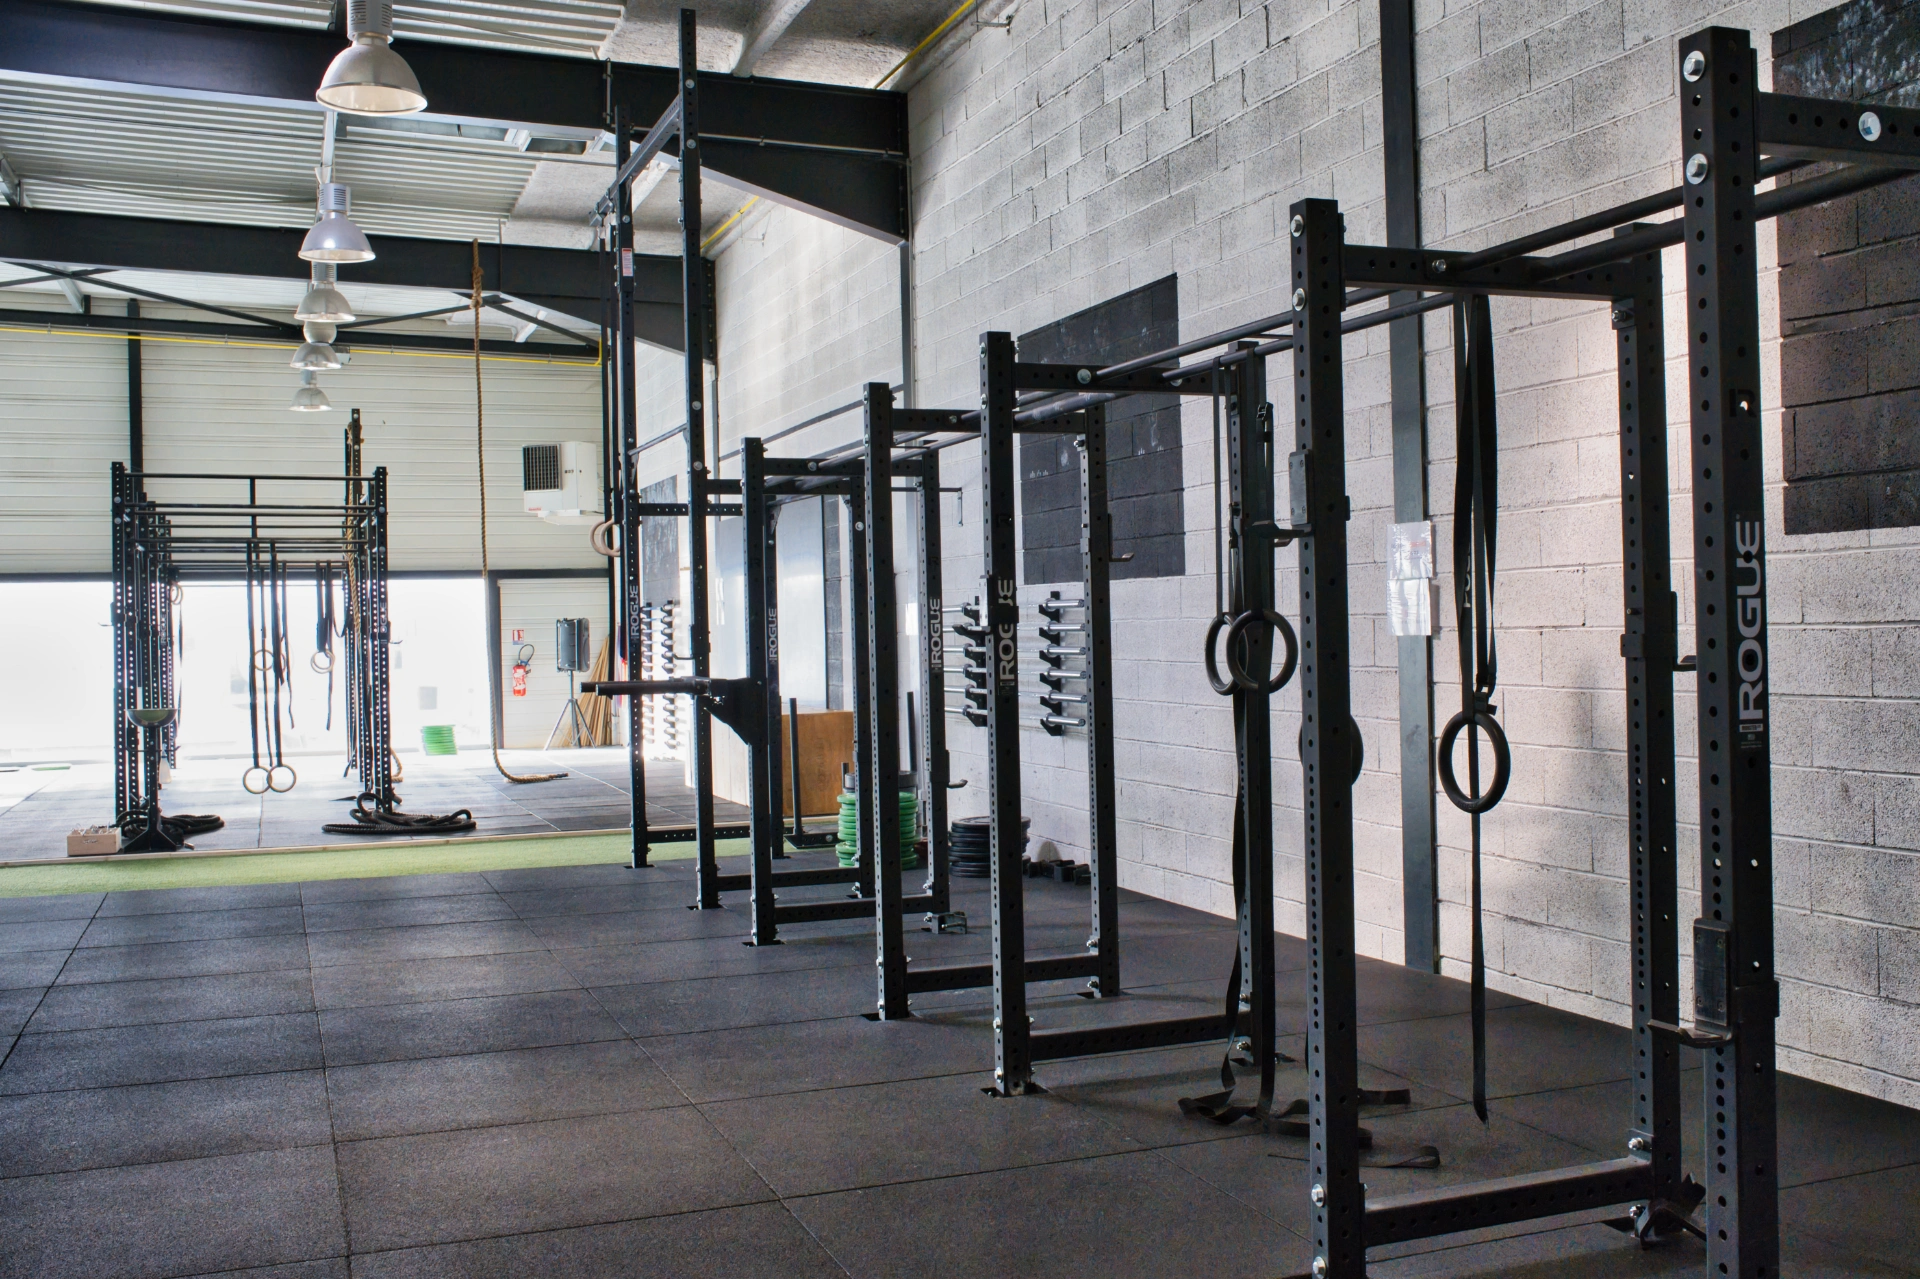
(826, 743)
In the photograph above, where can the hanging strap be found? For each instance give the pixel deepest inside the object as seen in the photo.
(1476, 509)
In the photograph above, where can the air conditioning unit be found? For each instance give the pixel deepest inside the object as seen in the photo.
(561, 482)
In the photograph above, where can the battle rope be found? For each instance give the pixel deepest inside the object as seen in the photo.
(480, 450)
(370, 819)
(1476, 511)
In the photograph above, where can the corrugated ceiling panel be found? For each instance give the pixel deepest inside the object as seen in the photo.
(552, 26)
(166, 157)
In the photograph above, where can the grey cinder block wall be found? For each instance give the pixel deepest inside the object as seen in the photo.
(1085, 149)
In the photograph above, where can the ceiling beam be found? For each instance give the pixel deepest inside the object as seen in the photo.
(766, 32)
(141, 50)
(566, 281)
(57, 321)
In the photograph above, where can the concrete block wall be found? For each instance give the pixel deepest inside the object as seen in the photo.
(1090, 147)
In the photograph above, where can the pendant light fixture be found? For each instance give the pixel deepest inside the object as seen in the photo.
(335, 238)
(317, 353)
(324, 303)
(309, 398)
(368, 77)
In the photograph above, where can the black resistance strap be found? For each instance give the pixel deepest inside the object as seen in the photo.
(323, 620)
(1476, 509)
(256, 772)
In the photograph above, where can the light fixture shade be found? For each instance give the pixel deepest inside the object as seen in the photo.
(335, 238)
(309, 398)
(324, 303)
(316, 356)
(318, 331)
(369, 78)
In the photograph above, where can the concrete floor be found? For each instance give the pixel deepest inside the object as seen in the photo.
(565, 1072)
(37, 809)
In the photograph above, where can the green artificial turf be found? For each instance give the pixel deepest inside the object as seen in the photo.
(358, 861)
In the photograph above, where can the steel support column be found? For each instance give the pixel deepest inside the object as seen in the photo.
(933, 685)
(763, 768)
(1012, 1046)
(1735, 992)
(1096, 569)
(693, 283)
(882, 794)
(1648, 647)
(626, 360)
(1317, 472)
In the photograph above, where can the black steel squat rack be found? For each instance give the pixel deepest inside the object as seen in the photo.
(160, 543)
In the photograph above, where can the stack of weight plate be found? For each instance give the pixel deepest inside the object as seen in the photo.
(970, 846)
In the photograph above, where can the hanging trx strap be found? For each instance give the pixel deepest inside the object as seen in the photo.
(1476, 508)
(248, 779)
(274, 627)
(323, 620)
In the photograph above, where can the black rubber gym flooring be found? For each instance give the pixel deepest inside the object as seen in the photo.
(565, 1072)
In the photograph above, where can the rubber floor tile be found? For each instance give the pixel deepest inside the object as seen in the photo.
(601, 899)
(1110, 1218)
(27, 910)
(16, 1006)
(41, 934)
(602, 874)
(568, 932)
(156, 1054)
(845, 1138)
(139, 1003)
(1826, 1132)
(1871, 1214)
(1271, 1173)
(520, 1086)
(721, 1003)
(426, 941)
(454, 1027)
(153, 1123)
(330, 1268)
(1599, 1117)
(386, 887)
(227, 897)
(31, 969)
(725, 1243)
(395, 912)
(273, 1207)
(760, 1061)
(185, 959)
(416, 981)
(710, 957)
(192, 925)
(443, 1187)
(1529, 1049)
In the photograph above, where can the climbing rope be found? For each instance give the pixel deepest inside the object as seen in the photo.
(480, 448)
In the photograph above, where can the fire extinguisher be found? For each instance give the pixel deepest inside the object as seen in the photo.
(521, 665)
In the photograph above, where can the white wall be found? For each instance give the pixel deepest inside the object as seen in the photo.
(63, 422)
(530, 606)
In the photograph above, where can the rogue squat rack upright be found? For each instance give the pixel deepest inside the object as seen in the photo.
(1733, 136)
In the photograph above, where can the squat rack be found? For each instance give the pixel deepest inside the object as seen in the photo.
(1727, 125)
(158, 544)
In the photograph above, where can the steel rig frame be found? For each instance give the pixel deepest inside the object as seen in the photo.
(1080, 412)
(1733, 136)
(160, 544)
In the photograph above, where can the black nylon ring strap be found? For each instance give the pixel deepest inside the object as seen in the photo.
(1282, 628)
(253, 680)
(1476, 512)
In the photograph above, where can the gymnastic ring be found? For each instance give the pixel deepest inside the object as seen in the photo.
(293, 776)
(1283, 629)
(246, 782)
(1220, 686)
(1356, 758)
(263, 660)
(1502, 761)
(314, 663)
(603, 547)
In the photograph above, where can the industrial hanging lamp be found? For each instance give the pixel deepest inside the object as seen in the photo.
(368, 77)
(323, 304)
(335, 238)
(309, 398)
(317, 353)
